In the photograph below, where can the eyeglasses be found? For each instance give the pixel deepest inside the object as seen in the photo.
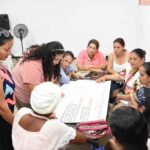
(4, 32)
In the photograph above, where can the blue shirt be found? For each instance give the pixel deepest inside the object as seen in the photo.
(143, 94)
(64, 79)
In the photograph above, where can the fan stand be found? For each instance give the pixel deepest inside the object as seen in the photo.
(21, 32)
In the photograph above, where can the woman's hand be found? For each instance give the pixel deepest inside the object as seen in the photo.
(72, 75)
(101, 79)
(52, 116)
(133, 103)
(125, 97)
(54, 80)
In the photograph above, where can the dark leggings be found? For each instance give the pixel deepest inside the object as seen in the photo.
(114, 86)
(5, 135)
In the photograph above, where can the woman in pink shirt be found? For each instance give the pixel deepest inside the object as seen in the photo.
(91, 59)
(37, 65)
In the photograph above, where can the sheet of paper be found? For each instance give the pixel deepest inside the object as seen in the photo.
(84, 100)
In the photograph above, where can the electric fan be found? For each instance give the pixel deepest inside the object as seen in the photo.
(20, 31)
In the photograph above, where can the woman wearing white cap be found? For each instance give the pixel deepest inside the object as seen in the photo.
(38, 128)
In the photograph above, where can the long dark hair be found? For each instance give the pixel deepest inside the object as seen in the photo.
(46, 53)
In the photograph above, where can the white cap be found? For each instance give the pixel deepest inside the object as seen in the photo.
(45, 97)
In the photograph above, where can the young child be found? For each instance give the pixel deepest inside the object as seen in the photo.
(130, 132)
(67, 71)
(38, 128)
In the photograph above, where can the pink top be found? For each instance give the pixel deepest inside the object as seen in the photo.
(53, 135)
(29, 72)
(83, 58)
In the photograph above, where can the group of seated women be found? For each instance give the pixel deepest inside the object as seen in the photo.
(36, 79)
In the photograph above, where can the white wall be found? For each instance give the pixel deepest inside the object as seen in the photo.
(75, 22)
(144, 29)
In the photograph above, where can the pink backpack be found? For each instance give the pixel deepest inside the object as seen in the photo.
(94, 129)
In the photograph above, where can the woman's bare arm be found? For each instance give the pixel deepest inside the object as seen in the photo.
(110, 64)
(79, 139)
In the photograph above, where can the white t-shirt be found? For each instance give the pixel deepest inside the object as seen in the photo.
(54, 135)
(119, 67)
